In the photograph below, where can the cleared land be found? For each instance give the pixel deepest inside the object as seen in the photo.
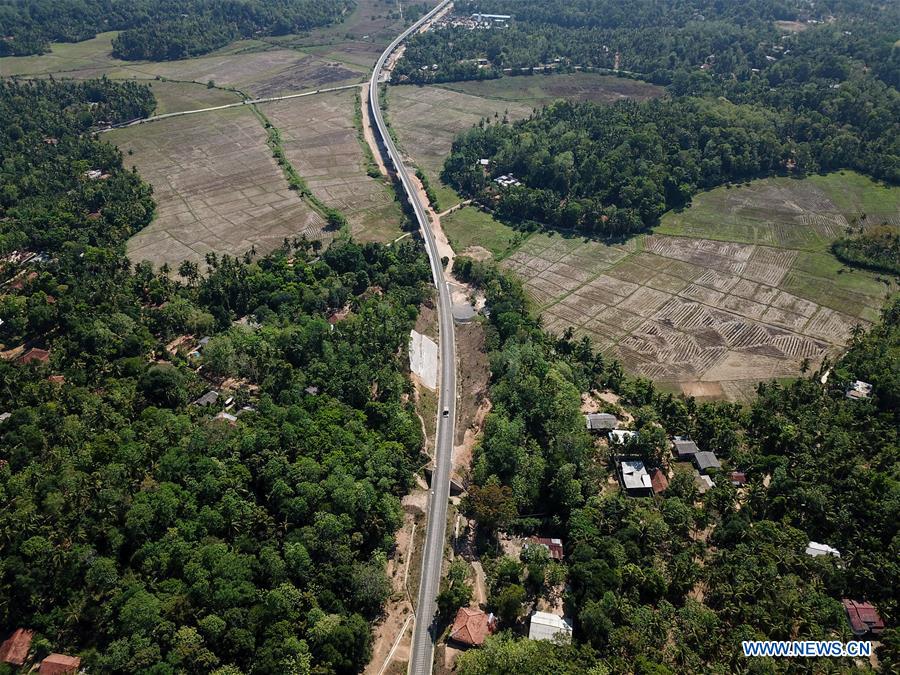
(217, 187)
(539, 90)
(689, 308)
(320, 140)
(178, 96)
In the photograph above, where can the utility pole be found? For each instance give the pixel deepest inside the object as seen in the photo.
(400, 7)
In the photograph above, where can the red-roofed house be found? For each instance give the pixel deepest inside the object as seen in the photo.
(59, 664)
(658, 480)
(56, 379)
(864, 618)
(554, 546)
(14, 649)
(41, 355)
(472, 626)
(738, 478)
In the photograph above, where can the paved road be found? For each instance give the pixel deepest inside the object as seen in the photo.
(422, 652)
(248, 101)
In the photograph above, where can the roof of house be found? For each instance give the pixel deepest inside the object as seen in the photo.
(472, 626)
(685, 448)
(56, 379)
(546, 626)
(704, 483)
(706, 460)
(203, 341)
(228, 417)
(554, 546)
(859, 390)
(635, 476)
(15, 648)
(35, 354)
(56, 664)
(600, 421)
(5, 416)
(738, 478)
(815, 549)
(621, 435)
(208, 398)
(864, 618)
(659, 480)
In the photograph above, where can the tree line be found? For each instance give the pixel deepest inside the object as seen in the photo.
(157, 30)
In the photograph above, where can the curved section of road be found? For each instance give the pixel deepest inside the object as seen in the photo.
(422, 652)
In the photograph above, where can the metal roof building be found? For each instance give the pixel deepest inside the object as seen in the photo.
(546, 626)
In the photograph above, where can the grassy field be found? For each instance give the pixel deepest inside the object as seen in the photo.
(469, 227)
(216, 185)
(539, 90)
(320, 141)
(738, 288)
(178, 96)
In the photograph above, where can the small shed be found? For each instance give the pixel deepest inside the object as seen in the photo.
(15, 648)
(58, 664)
(600, 422)
(472, 626)
(738, 478)
(865, 621)
(659, 480)
(684, 448)
(554, 546)
(635, 479)
(704, 483)
(546, 626)
(706, 461)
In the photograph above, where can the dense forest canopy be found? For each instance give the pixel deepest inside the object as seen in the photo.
(149, 534)
(157, 30)
(674, 583)
(657, 41)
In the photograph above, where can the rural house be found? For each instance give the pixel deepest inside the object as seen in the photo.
(864, 618)
(59, 664)
(815, 549)
(706, 461)
(738, 478)
(554, 546)
(704, 483)
(208, 399)
(34, 355)
(600, 422)
(859, 390)
(635, 479)
(684, 448)
(472, 626)
(546, 626)
(15, 648)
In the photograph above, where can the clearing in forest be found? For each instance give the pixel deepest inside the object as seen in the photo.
(737, 288)
(216, 185)
(321, 142)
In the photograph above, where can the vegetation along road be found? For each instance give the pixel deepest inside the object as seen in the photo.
(422, 652)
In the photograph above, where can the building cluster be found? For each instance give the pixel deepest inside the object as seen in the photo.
(507, 180)
(476, 21)
(16, 651)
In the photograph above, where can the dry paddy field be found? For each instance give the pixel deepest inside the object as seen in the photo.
(320, 140)
(713, 317)
(216, 185)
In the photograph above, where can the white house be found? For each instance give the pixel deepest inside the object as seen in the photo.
(546, 626)
(815, 549)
